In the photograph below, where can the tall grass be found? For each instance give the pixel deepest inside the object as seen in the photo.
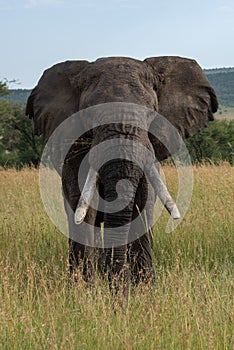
(192, 307)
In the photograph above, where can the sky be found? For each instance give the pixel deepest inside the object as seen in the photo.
(35, 34)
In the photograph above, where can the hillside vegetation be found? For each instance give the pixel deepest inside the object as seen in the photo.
(223, 82)
(18, 95)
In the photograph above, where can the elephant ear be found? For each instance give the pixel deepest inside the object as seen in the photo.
(185, 97)
(54, 98)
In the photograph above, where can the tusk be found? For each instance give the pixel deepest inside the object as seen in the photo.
(162, 191)
(86, 197)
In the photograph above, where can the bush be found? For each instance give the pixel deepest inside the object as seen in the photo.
(18, 145)
(214, 144)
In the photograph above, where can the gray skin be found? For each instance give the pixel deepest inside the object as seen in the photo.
(175, 87)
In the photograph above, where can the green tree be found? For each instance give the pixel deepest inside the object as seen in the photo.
(215, 143)
(3, 89)
(18, 144)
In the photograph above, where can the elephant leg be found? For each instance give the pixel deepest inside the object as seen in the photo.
(141, 260)
(140, 253)
(81, 255)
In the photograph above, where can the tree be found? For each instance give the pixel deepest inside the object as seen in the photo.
(18, 144)
(215, 143)
(3, 89)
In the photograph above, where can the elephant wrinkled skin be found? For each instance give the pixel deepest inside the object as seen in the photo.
(175, 87)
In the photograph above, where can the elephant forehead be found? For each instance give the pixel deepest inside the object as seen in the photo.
(114, 61)
(116, 67)
(118, 112)
(116, 80)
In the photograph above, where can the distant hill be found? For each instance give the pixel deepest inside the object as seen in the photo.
(222, 79)
(18, 95)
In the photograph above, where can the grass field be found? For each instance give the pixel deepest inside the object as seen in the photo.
(192, 307)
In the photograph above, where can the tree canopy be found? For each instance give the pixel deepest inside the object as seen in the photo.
(18, 144)
(213, 144)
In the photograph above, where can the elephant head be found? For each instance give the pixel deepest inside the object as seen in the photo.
(135, 91)
(175, 87)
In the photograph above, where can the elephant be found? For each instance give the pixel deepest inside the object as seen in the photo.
(134, 91)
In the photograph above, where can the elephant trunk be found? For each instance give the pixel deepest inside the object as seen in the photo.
(120, 179)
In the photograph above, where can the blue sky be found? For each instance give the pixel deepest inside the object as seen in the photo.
(39, 33)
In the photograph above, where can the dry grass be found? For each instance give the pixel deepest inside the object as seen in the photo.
(191, 309)
(227, 113)
(227, 116)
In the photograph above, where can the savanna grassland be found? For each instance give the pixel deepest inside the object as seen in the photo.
(225, 113)
(192, 307)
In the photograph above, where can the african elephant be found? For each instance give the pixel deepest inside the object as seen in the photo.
(136, 91)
